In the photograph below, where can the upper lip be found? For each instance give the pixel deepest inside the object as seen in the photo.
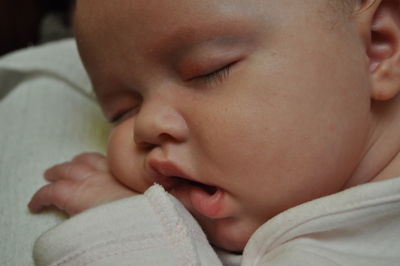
(167, 173)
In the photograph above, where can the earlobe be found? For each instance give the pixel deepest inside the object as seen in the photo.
(384, 50)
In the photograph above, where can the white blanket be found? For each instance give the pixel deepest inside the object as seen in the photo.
(47, 115)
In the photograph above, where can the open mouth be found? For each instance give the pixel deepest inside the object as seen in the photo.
(204, 199)
(211, 190)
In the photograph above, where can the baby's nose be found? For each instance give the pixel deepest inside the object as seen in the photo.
(158, 123)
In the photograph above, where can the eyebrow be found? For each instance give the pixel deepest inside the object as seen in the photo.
(224, 33)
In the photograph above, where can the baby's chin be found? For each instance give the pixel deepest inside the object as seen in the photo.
(229, 234)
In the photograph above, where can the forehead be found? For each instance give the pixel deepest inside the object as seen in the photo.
(164, 13)
(136, 30)
(181, 19)
(146, 19)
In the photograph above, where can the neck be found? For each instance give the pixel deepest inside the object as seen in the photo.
(381, 158)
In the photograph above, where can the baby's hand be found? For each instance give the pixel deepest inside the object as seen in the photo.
(77, 185)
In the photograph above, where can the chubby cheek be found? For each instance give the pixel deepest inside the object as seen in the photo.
(124, 160)
(286, 138)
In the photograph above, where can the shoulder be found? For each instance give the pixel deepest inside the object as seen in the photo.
(342, 229)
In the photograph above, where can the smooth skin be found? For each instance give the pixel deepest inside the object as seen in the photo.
(262, 105)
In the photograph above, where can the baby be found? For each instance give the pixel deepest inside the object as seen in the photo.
(255, 115)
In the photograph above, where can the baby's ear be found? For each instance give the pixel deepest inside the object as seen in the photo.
(382, 31)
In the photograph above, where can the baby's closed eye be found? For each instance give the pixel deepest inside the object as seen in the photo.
(216, 76)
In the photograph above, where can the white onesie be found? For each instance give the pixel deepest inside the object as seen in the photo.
(358, 226)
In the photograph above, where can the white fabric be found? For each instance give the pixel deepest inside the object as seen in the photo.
(47, 115)
(154, 229)
(359, 226)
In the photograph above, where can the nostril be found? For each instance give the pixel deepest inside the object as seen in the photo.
(148, 146)
(164, 137)
(158, 123)
(145, 146)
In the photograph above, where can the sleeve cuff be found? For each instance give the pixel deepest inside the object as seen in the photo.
(150, 229)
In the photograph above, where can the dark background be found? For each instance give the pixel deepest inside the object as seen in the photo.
(20, 21)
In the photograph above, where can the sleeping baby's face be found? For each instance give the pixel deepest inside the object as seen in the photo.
(241, 109)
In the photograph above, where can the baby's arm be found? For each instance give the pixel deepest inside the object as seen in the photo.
(149, 229)
(75, 186)
(121, 232)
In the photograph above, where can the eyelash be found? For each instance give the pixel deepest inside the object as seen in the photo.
(217, 76)
(119, 117)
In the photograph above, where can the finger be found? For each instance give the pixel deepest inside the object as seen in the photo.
(96, 160)
(56, 195)
(69, 171)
